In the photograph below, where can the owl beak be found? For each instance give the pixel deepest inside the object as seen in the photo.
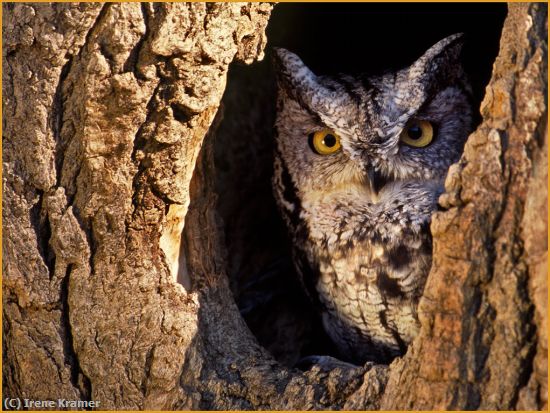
(376, 181)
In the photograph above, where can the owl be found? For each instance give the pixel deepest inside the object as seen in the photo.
(359, 164)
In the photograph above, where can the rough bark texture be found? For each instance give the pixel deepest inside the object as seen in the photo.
(105, 110)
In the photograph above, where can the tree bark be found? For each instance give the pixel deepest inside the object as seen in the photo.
(114, 271)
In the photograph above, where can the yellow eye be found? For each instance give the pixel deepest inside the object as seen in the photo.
(417, 133)
(325, 142)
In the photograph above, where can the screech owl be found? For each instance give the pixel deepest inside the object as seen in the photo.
(359, 165)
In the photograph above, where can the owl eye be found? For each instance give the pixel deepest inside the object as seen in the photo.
(417, 133)
(324, 142)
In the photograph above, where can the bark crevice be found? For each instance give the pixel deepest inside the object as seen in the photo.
(71, 359)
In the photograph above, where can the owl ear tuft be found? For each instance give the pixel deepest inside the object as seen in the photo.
(302, 85)
(292, 74)
(442, 60)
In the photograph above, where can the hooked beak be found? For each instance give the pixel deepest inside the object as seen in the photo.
(376, 181)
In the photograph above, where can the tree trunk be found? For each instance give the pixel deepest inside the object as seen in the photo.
(115, 286)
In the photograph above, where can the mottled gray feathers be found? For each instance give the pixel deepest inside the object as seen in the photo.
(359, 217)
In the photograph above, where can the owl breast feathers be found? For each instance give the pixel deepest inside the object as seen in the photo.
(359, 164)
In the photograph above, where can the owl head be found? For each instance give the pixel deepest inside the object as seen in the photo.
(404, 126)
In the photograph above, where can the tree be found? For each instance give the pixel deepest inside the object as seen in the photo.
(105, 111)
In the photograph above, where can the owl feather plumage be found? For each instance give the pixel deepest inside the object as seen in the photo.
(358, 212)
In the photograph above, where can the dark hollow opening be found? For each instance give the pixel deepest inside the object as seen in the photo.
(330, 38)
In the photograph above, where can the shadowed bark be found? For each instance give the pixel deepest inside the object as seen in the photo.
(115, 284)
